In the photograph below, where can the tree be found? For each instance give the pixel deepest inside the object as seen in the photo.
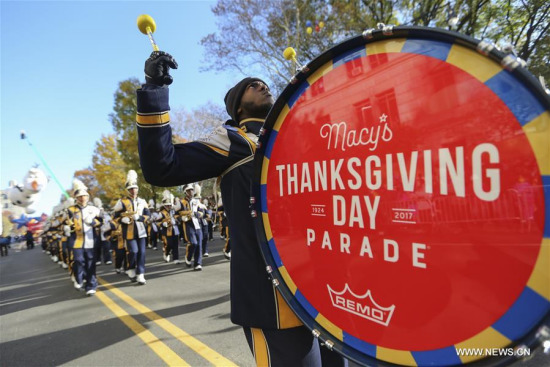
(191, 125)
(89, 179)
(109, 169)
(123, 121)
(253, 33)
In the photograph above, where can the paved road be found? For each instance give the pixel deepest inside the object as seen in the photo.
(180, 317)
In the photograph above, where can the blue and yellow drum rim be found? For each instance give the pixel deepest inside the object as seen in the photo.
(533, 304)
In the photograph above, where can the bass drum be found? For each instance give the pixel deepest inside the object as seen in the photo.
(401, 197)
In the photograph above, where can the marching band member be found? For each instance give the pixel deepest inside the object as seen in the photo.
(133, 212)
(84, 219)
(206, 222)
(103, 249)
(224, 233)
(67, 244)
(192, 229)
(152, 229)
(270, 326)
(202, 212)
(169, 227)
(119, 246)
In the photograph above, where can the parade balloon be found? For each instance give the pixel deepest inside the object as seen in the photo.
(28, 192)
(309, 30)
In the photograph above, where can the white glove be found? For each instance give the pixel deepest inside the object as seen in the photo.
(125, 220)
(67, 231)
(136, 217)
(89, 220)
(165, 225)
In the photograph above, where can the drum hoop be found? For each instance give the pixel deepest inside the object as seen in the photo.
(293, 90)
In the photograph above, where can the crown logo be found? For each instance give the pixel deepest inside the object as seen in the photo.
(363, 306)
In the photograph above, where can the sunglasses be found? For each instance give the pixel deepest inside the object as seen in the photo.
(257, 84)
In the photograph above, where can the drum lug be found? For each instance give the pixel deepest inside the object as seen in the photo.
(511, 62)
(367, 33)
(543, 335)
(275, 282)
(262, 131)
(252, 200)
(329, 344)
(269, 269)
(253, 214)
(315, 333)
(485, 48)
(387, 30)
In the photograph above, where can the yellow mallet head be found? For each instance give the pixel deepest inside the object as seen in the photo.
(145, 21)
(289, 53)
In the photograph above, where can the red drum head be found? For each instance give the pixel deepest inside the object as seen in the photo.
(403, 194)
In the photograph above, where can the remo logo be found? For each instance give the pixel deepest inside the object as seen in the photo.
(408, 201)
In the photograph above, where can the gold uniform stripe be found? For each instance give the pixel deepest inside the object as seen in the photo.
(286, 317)
(488, 338)
(159, 119)
(250, 142)
(225, 153)
(479, 66)
(540, 278)
(261, 351)
(393, 45)
(395, 356)
(538, 133)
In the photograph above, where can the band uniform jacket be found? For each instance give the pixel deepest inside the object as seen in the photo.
(228, 152)
(167, 216)
(82, 233)
(128, 207)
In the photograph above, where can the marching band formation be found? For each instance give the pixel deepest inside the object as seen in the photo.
(79, 236)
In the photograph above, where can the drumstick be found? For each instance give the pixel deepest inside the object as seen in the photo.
(290, 54)
(146, 25)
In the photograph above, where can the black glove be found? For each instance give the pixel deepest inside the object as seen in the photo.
(157, 68)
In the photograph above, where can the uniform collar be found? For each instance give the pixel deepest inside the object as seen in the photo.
(252, 125)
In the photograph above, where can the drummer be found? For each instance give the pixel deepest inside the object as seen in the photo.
(275, 335)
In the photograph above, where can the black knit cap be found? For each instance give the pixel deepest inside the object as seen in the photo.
(233, 97)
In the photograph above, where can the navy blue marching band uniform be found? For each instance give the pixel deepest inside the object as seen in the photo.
(228, 152)
(205, 222)
(82, 219)
(274, 333)
(103, 249)
(168, 224)
(152, 228)
(133, 213)
(187, 210)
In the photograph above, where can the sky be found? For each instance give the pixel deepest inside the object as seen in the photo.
(61, 62)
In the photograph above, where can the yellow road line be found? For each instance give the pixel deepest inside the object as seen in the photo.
(161, 349)
(199, 347)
